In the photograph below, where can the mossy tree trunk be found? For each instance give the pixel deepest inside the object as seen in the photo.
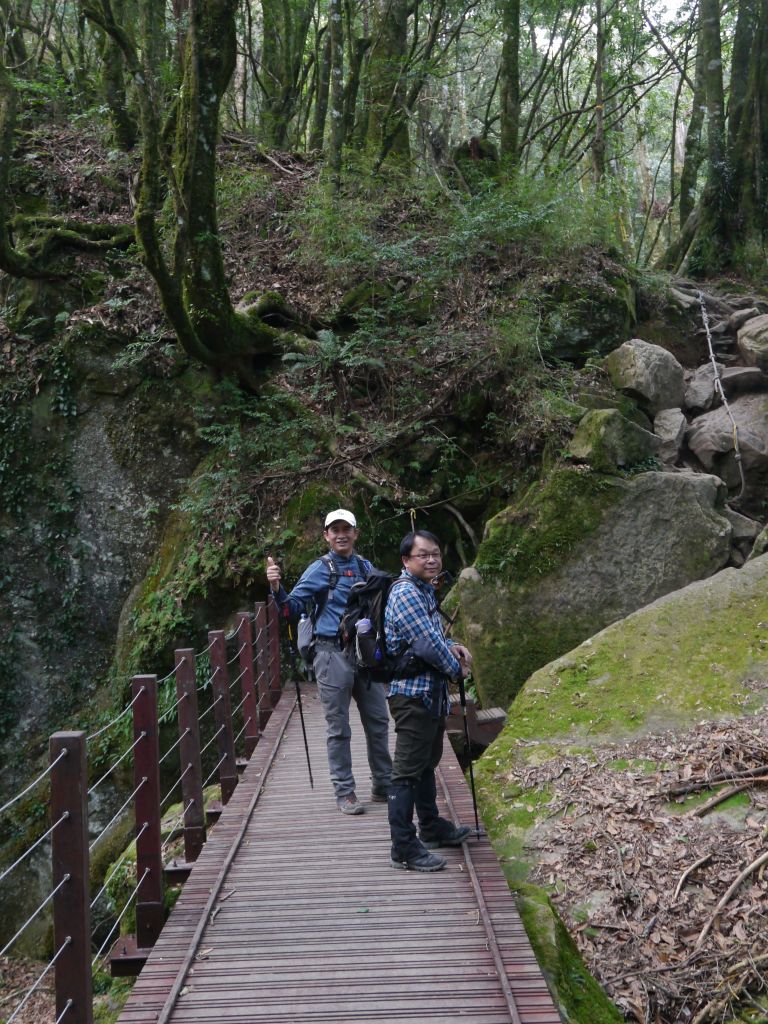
(733, 214)
(323, 63)
(124, 124)
(186, 263)
(387, 126)
(286, 24)
(509, 81)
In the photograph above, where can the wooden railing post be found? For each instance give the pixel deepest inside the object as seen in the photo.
(262, 665)
(247, 687)
(273, 633)
(69, 856)
(146, 766)
(223, 714)
(189, 755)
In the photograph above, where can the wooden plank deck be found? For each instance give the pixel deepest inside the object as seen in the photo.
(309, 922)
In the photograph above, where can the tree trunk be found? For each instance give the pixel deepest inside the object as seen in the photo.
(386, 69)
(124, 124)
(510, 81)
(336, 27)
(694, 151)
(321, 93)
(283, 42)
(598, 143)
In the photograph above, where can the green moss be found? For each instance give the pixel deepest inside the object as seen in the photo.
(674, 661)
(580, 998)
(533, 537)
(109, 997)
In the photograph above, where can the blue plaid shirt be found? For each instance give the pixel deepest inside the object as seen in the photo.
(412, 613)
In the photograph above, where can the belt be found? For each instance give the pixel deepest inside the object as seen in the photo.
(326, 641)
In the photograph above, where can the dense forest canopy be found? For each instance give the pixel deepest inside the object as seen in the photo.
(657, 109)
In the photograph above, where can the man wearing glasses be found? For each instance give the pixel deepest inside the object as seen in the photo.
(418, 705)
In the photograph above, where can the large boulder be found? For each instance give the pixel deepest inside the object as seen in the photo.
(700, 390)
(609, 442)
(599, 719)
(670, 425)
(710, 438)
(648, 373)
(752, 340)
(579, 551)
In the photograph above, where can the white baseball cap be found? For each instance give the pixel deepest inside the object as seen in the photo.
(340, 514)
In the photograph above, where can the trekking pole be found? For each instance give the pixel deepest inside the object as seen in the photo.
(292, 657)
(463, 699)
(451, 619)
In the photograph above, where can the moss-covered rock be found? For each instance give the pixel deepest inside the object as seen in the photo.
(699, 653)
(609, 442)
(581, 550)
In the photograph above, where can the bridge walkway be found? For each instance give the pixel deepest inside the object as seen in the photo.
(293, 913)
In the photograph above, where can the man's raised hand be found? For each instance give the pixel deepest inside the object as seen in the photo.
(273, 574)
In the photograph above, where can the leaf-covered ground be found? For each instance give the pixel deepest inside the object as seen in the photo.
(656, 853)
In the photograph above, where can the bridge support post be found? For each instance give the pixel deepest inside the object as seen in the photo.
(70, 860)
(247, 686)
(146, 780)
(223, 714)
(262, 665)
(189, 756)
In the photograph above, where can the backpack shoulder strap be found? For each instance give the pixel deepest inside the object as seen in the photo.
(333, 579)
(362, 567)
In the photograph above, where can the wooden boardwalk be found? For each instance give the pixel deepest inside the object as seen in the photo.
(293, 913)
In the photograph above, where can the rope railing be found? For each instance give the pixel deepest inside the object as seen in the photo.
(257, 665)
(116, 867)
(30, 849)
(117, 814)
(121, 915)
(31, 786)
(39, 981)
(171, 749)
(178, 782)
(35, 914)
(208, 681)
(120, 759)
(114, 721)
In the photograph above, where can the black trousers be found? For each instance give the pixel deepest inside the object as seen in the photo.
(418, 749)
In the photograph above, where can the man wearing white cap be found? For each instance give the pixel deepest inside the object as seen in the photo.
(326, 584)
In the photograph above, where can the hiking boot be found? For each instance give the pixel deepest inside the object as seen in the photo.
(453, 838)
(349, 804)
(379, 795)
(422, 861)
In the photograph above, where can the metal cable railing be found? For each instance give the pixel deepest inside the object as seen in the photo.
(68, 773)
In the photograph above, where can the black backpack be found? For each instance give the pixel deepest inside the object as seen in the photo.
(365, 647)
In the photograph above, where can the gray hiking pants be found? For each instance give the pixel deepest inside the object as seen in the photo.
(337, 684)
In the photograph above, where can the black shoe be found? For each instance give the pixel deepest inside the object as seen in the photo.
(454, 838)
(423, 861)
(379, 795)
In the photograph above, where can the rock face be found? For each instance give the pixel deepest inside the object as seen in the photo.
(752, 340)
(710, 438)
(580, 551)
(98, 475)
(648, 373)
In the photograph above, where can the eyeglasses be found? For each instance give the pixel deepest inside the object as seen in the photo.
(433, 556)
